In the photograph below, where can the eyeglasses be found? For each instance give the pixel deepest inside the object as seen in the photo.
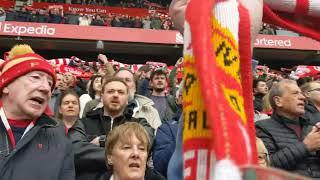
(317, 89)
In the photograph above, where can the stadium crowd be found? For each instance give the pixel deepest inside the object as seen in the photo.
(152, 4)
(123, 124)
(55, 15)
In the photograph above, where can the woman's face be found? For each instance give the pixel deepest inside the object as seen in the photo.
(129, 159)
(97, 84)
(69, 106)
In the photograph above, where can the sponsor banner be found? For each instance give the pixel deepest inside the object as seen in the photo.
(91, 9)
(286, 42)
(137, 35)
(46, 30)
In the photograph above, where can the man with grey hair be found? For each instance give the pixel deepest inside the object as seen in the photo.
(291, 139)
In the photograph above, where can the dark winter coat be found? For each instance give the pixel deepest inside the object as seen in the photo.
(43, 153)
(89, 158)
(257, 102)
(312, 113)
(286, 149)
(164, 146)
(96, 124)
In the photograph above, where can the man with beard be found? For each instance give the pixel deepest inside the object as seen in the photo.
(31, 145)
(165, 104)
(114, 97)
(140, 106)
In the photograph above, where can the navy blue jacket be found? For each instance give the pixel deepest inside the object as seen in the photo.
(164, 146)
(43, 153)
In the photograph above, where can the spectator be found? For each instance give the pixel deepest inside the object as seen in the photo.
(28, 136)
(2, 15)
(126, 21)
(55, 16)
(311, 91)
(98, 21)
(137, 23)
(108, 72)
(72, 18)
(155, 22)
(266, 29)
(94, 93)
(100, 122)
(165, 104)
(164, 144)
(141, 106)
(260, 89)
(69, 108)
(263, 155)
(56, 94)
(34, 16)
(11, 15)
(23, 15)
(116, 22)
(146, 23)
(43, 16)
(85, 20)
(130, 163)
(289, 138)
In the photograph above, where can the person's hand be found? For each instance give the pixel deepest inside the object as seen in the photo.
(312, 140)
(96, 141)
(103, 58)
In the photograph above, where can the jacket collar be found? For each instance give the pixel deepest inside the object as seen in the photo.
(99, 113)
(301, 121)
(310, 107)
(45, 120)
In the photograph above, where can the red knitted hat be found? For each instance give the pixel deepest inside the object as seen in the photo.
(301, 16)
(21, 61)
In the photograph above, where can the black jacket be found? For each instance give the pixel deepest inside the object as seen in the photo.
(257, 102)
(96, 124)
(286, 150)
(43, 153)
(89, 159)
(312, 113)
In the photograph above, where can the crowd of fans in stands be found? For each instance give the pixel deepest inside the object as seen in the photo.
(154, 21)
(154, 4)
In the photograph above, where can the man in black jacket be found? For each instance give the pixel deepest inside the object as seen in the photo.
(100, 122)
(292, 142)
(31, 145)
(89, 157)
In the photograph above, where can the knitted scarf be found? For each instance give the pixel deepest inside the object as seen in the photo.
(219, 133)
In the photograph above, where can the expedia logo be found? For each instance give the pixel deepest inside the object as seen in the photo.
(26, 30)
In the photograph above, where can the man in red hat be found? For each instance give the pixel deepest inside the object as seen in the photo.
(30, 145)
